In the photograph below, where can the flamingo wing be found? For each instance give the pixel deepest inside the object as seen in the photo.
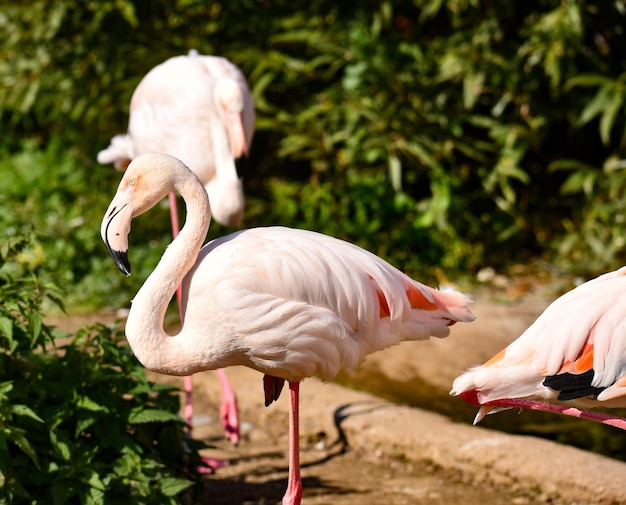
(576, 349)
(297, 303)
(120, 152)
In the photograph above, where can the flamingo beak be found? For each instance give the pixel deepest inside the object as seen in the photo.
(236, 134)
(115, 229)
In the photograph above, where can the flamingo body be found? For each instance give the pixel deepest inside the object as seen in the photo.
(199, 109)
(575, 350)
(294, 303)
(289, 303)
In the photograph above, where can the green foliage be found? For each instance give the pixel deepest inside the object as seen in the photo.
(79, 421)
(465, 113)
(48, 191)
(460, 108)
(595, 236)
(367, 212)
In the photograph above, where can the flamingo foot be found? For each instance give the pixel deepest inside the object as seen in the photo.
(209, 465)
(229, 413)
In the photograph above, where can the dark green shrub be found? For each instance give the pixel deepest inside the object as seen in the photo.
(79, 421)
(62, 196)
(496, 129)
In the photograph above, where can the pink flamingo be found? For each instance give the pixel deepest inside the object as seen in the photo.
(199, 109)
(575, 350)
(289, 303)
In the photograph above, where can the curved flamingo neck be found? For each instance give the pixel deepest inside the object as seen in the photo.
(154, 348)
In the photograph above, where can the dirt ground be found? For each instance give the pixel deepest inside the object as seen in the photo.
(357, 448)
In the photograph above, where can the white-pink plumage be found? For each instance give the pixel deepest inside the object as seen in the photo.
(288, 303)
(575, 350)
(199, 109)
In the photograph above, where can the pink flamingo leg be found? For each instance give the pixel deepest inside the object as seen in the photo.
(228, 409)
(599, 417)
(293, 496)
(230, 420)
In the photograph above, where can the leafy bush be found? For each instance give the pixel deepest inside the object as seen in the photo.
(46, 190)
(466, 109)
(493, 133)
(79, 421)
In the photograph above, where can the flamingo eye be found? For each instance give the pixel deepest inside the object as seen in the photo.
(131, 182)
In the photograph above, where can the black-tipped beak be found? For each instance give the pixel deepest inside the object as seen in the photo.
(114, 231)
(242, 165)
(121, 260)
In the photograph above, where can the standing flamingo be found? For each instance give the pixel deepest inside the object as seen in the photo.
(289, 303)
(575, 350)
(198, 109)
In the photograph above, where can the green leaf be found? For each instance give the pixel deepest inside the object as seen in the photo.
(35, 321)
(84, 423)
(596, 105)
(171, 486)
(23, 410)
(5, 388)
(429, 8)
(84, 402)
(142, 415)
(608, 117)
(588, 80)
(22, 442)
(395, 172)
(128, 11)
(62, 449)
(95, 481)
(6, 328)
(472, 89)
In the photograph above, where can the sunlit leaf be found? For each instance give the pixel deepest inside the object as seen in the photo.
(6, 328)
(84, 402)
(395, 172)
(35, 322)
(472, 88)
(608, 117)
(171, 486)
(143, 415)
(24, 410)
(597, 105)
(589, 80)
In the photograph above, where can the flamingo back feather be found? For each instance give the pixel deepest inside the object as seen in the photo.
(309, 304)
(575, 349)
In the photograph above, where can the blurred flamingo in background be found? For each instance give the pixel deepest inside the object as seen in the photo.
(199, 109)
(289, 303)
(575, 350)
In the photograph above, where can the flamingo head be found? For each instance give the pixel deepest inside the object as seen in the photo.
(231, 104)
(147, 180)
